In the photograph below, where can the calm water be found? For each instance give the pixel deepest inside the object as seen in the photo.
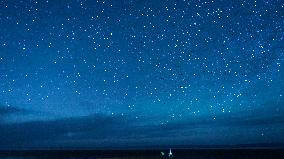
(154, 154)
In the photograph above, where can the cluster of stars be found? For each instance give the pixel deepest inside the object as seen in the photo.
(173, 59)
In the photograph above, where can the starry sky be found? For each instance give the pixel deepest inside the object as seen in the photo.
(141, 73)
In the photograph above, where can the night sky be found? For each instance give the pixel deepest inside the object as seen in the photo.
(141, 73)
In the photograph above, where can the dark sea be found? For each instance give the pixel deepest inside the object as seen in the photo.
(147, 154)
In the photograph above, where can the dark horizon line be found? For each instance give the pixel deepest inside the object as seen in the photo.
(154, 147)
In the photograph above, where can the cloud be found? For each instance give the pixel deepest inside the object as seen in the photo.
(103, 130)
(8, 111)
(5, 110)
(37, 133)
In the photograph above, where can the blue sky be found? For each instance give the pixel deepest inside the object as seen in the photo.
(94, 74)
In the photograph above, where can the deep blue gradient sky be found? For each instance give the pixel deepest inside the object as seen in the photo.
(119, 73)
